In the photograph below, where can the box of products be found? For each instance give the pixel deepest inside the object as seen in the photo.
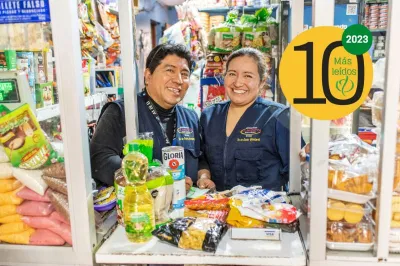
(44, 94)
(256, 233)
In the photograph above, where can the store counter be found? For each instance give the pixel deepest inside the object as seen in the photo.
(289, 251)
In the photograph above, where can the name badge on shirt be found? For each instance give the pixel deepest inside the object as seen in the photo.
(250, 134)
(185, 133)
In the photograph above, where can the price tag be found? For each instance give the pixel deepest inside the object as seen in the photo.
(326, 72)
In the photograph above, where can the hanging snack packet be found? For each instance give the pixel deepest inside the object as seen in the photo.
(192, 233)
(23, 140)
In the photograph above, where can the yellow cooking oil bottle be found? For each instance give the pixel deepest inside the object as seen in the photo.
(138, 207)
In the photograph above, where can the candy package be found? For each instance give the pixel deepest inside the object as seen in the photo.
(192, 233)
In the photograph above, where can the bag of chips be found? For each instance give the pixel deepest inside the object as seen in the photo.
(23, 140)
(192, 233)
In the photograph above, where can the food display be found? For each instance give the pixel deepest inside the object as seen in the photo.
(348, 212)
(192, 233)
(349, 233)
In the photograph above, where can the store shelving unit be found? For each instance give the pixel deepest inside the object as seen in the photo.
(243, 9)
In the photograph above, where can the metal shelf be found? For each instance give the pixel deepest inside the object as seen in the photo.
(246, 9)
(54, 110)
(378, 31)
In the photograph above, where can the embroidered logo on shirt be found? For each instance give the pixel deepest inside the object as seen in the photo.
(186, 133)
(249, 132)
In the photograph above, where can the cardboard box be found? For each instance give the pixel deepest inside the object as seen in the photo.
(256, 233)
(44, 94)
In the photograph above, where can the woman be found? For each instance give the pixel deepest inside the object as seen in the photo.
(246, 139)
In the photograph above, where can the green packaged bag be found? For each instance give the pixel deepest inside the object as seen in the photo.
(23, 139)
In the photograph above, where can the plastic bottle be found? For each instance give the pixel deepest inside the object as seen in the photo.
(138, 205)
(101, 58)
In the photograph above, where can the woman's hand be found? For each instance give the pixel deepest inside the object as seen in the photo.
(204, 181)
(304, 152)
(188, 183)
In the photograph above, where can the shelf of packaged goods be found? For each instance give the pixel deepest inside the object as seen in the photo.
(377, 2)
(245, 9)
(41, 255)
(289, 251)
(54, 110)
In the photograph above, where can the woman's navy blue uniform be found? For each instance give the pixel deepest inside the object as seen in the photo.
(107, 143)
(256, 152)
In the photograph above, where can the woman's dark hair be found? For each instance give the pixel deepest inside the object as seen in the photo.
(162, 50)
(257, 56)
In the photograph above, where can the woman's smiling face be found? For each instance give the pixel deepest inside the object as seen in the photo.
(242, 80)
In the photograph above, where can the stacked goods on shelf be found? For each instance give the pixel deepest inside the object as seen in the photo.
(27, 210)
(99, 31)
(378, 47)
(23, 37)
(189, 31)
(376, 16)
(352, 182)
(205, 21)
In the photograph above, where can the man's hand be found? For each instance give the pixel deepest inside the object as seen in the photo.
(204, 181)
(306, 150)
(188, 183)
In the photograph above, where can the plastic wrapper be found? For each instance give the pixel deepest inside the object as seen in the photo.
(6, 171)
(60, 203)
(38, 222)
(349, 233)
(192, 233)
(35, 208)
(104, 37)
(56, 184)
(7, 185)
(31, 179)
(56, 170)
(44, 237)
(207, 204)
(23, 140)
(13, 228)
(59, 217)
(348, 212)
(225, 38)
(260, 196)
(350, 147)
(7, 210)
(28, 194)
(10, 198)
(219, 215)
(377, 108)
(350, 178)
(161, 187)
(64, 231)
(214, 94)
(18, 238)
(280, 213)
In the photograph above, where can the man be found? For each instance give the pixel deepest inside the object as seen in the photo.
(166, 83)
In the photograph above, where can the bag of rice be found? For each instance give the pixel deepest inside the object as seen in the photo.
(23, 139)
(60, 203)
(28, 194)
(32, 179)
(56, 184)
(56, 170)
(6, 210)
(35, 208)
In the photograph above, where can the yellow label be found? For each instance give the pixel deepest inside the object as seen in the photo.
(320, 78)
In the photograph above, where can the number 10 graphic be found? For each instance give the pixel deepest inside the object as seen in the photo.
(309, 49)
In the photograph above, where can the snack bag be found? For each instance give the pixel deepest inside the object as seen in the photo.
(192, 233)
(23, 139)
(7, 185)
(161, 187)
(10, 198)
(215, 94)
(7, 210)
(219, 215)
(227, 38)
(207, 204)
(237, 220)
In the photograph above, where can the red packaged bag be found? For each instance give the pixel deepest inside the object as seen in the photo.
(208, 204)
(28, 194)
(35, 208)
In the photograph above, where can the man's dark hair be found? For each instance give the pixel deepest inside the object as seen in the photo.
(162, 50)
(257, 56)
